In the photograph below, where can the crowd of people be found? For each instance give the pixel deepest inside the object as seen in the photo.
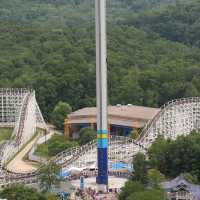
(92, 194)
(93, 173)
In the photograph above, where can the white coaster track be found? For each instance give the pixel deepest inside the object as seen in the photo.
(18, 109)
(120, 149)
(178, 117)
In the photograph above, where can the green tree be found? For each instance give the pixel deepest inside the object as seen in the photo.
(129, 188)
(170, 22)
(57, 58)
(134, 134)
(148, 195)
(55, 145)
(191, 90)
(173, 158)
(51, 196)
(140, 168)
(158, 154)
(191, 178)
(155, 178)
(48, 176)
(86, 135)
(59, 143)
(21, 192)
(60, 112)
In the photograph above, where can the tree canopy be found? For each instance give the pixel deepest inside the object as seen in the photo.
(55, 145)
(48, 176)
(173, 158)
(50, 46)
(140, 168)
(21, 192)
(130, 187)
(179, 22)
(60, 113)
(148, 195)
(86, 135)
(134, 190)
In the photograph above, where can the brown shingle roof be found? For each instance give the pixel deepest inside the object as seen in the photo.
(124, 111)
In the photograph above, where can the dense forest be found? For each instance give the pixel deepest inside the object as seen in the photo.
(179, 23)
(71, 12)
(50, 46)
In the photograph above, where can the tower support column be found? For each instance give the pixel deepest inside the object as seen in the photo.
(101, 90)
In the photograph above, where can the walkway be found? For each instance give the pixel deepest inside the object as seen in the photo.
(114, 182)
(18, 165)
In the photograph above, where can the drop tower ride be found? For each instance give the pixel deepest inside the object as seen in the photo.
(101, 90)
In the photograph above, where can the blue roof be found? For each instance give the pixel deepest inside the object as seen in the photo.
(121, 165)
(180, 181)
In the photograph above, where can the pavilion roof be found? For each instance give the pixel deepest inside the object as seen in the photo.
(180, 183)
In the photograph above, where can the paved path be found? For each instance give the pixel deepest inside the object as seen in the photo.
(114, 182)
(18, 165)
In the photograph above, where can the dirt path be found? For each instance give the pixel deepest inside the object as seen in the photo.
(18, 165)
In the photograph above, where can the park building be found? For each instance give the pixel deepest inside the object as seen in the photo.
(122, 119)
(180, 189)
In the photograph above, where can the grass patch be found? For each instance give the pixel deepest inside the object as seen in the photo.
(55, 145)
(5, 133)
(42, 151)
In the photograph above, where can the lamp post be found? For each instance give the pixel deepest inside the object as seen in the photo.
(101, 90)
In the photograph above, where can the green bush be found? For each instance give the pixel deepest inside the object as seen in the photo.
(86, 135)
(21, 192)
(55, 145)
(58, 144)
(148, 195)
(5, 133)
(173, 158)
(60, 112)
(129, 188)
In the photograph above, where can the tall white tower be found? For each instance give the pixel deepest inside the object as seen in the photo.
(101, 89)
